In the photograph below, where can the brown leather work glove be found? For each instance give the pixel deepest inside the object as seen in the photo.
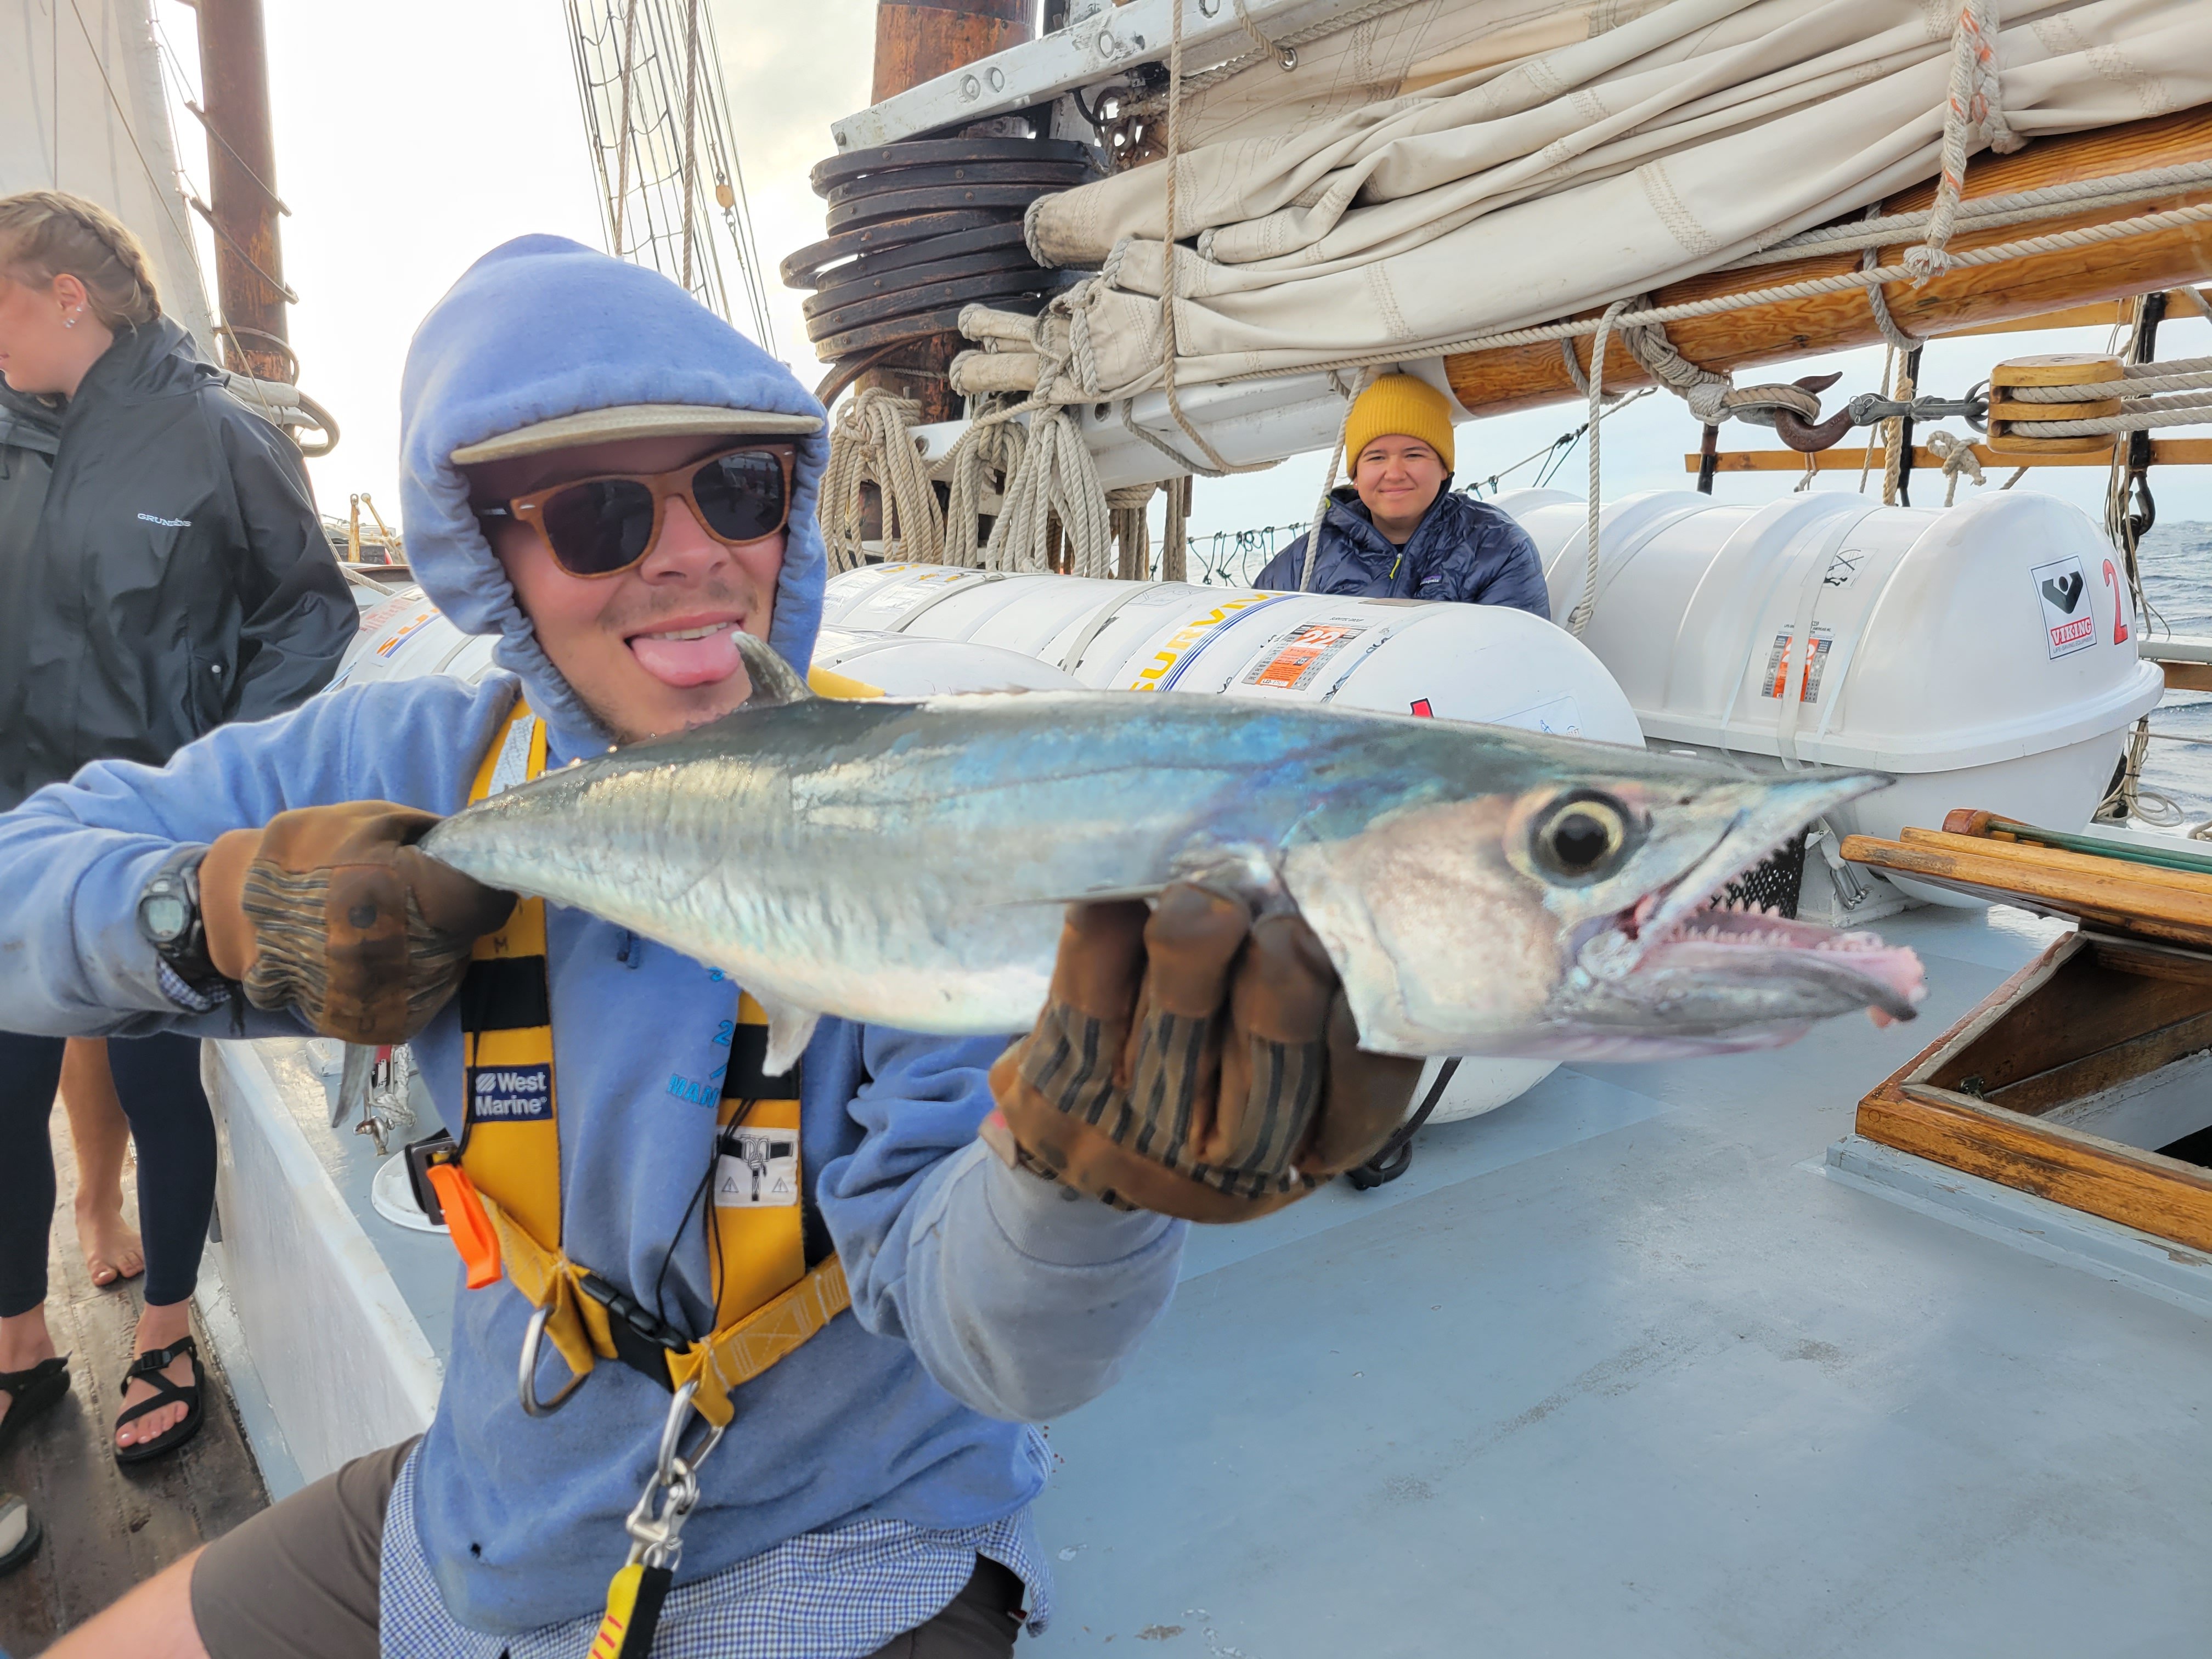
(331, 909)
(1194, 1062)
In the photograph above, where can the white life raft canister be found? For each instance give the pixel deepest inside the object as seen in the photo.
(1984, 654)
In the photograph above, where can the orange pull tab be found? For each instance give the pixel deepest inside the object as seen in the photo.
(473, 1235)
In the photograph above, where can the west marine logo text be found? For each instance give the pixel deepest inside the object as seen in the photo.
(510, 1094)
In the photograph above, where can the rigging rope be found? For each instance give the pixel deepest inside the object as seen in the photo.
(1328, 484)
(991, 444)
(1878, 303)
(1958, 457)
(1578, 618)
(1810, 288)
(1976, 110)
(1133, 540)
(1982, 212)
(1285, 55)
(2137, 379)
(873, 442)
(2187, 382)
(1056, 477)
(1901, 390)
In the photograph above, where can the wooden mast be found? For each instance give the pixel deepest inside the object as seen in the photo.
(243, 172)
(1526, 377)
(918, 40)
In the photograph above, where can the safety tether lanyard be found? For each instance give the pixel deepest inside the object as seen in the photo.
(502, 1201)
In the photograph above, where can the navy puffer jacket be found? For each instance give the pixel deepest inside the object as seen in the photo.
(1462, 550)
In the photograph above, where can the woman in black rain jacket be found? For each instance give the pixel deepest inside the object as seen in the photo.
(176, 576)
(179, 576)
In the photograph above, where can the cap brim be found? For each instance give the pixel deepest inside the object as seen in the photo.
(599, 426)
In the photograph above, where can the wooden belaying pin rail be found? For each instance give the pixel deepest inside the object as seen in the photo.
(2165, 452)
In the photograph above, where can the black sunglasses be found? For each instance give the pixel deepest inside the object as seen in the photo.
(602, 526)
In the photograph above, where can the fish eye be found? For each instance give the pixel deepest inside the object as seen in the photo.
(1581, 837)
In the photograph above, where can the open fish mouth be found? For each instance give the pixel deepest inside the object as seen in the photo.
(1690, 933)
(1722, 943)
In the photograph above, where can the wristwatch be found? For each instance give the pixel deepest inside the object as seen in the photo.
(170, 917)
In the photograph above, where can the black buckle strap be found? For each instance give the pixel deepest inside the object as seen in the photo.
(643, 1340)
(437, 1148)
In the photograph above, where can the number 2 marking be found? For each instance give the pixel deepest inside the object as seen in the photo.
(2119, 609)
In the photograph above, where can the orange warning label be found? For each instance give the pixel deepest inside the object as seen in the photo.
(1302, 655)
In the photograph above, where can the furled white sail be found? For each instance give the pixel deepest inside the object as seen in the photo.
(81, 109)
(1441, 169)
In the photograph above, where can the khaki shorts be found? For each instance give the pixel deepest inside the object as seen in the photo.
(299, 1581)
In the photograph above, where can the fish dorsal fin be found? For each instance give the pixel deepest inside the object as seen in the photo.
(774, 681)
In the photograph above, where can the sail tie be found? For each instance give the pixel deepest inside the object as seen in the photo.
(1975, 111)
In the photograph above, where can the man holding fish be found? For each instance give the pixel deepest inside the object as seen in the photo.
(708, 1172)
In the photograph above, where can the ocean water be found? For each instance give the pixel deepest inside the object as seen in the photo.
(2176, 566)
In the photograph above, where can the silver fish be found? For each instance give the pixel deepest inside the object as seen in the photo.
(1481, 890)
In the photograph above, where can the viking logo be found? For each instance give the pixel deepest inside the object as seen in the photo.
(2064, 591)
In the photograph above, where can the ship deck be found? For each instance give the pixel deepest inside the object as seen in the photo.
(1656, 1358)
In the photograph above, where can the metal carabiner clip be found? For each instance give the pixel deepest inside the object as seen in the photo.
(654, 1534)
(526, 1381)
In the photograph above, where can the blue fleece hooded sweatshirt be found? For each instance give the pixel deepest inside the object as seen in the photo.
(980, 1298)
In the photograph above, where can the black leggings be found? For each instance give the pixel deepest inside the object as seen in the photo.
(158, 1080)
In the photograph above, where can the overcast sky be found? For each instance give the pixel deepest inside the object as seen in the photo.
(413, 136)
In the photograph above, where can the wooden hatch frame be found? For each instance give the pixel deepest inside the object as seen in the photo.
(2103, 1006)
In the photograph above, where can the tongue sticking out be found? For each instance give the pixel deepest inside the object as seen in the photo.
(688, 662)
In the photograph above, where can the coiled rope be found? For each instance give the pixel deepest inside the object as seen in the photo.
(1132, 537)
(873, 442)
(1056, 477)
(990, 446)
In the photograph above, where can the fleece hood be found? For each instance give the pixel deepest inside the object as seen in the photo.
(542, 327)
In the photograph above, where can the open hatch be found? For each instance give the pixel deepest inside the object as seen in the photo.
(2086, 1078)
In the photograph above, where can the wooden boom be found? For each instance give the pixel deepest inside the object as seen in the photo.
(1527, 377)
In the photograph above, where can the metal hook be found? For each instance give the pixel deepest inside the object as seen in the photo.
(1801, 435)
(655, 1538)
(526, 1383)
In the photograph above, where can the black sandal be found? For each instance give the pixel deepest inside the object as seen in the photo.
(147, 1368)
(19, 1524)
(42, 1387)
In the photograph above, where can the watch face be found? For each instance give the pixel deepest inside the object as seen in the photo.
(165, 915)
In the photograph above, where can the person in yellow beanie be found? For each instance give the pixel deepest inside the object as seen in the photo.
(1397, 531)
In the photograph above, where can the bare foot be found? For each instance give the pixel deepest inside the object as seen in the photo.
(113, 1252)
(157, 1328)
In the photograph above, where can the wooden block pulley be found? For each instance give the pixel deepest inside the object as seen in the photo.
(2058, 369)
